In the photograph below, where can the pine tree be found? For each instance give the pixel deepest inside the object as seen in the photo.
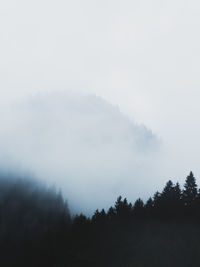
(157, 200)
(171, 200)
(111, 214)
(123, 208)
(95, 217)
(167, 192)
(190, 190)
(177, 192)
(102, 214)
(138, 207)
(119, 207)
(149, 204)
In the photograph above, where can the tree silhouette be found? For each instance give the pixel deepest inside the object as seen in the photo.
(177, 200)
(111, 214)
(157, 202)
(95, 217)
(123, 209)
(190, 190)
(170, 199)
(118, 205)
(138, 207)
(149, 206)
(177, 192)
(102, 216)
(36, 228)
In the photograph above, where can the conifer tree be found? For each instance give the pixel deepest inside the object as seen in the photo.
(149, 204)
(190, 190)
(123, 208)
(95, 217)
(157, 200)
(177, 192)
(138, 207)
(111, 213)
(167, 197)
(119, 205)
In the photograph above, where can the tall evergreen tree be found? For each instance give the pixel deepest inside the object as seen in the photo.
(95, 217)
(119, 206)
(111, 214)
(157, 200)
(123, 208)
(138, 207)
(177, 192)
(190, 190)
(168, 192)
(177, 199)
(149, 204)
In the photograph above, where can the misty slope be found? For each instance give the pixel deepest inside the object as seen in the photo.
(82, 143)
(28, 209)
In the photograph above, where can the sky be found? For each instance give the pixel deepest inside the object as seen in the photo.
(140, 58)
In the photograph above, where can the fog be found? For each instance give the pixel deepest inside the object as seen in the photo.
(140, 58)
(83, 145)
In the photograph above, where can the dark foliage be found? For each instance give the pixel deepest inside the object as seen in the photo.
(28, 213)
(36, 229)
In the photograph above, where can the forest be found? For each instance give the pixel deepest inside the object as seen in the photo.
(37, 229)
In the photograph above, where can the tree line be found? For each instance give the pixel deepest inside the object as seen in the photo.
(172, 203)
(36, 228)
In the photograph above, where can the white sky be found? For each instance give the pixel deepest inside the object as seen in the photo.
(141, 55)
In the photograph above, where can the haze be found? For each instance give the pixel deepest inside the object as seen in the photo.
(96, 72)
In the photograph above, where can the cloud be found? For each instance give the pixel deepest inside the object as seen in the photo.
(81, 143)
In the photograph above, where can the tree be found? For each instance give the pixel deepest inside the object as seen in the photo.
(177, 192)
(170, 200)
(177, 200)
(123, 208)
(95, 217)
(149, 204)
(167, 192)
(138, 207)
(149, 207)
(118, 205)
(81, 220)
(111, 214)
(190, 190)
(157, 200)
(102, 216)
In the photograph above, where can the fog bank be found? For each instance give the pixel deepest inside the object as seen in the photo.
(83, 144)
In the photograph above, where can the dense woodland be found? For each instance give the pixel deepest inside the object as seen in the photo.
(36, 228)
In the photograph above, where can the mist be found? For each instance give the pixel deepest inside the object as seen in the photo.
(99, 129)
(83, 145)
(141, 58)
